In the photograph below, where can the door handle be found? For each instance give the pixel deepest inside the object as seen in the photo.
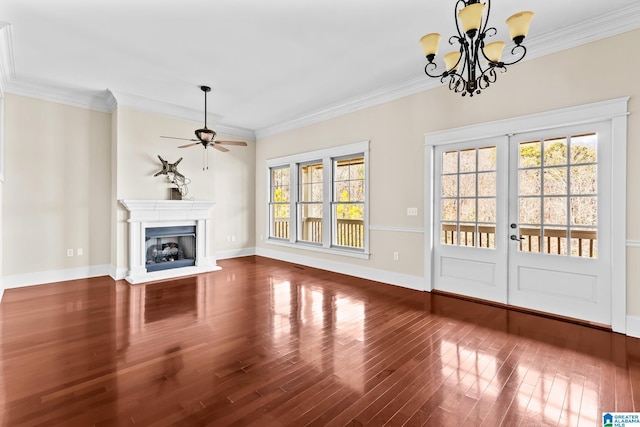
(514, 237)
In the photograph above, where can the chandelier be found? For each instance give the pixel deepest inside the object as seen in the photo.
(473, 67)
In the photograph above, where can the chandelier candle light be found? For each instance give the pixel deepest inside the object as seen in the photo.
(475, 59)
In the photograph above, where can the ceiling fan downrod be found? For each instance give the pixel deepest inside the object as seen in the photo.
(205, 134)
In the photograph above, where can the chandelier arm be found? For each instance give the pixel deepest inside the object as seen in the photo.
(517, 49)
(487, 77)
(486, 18)
(433, 67)
(455, 16)
(457, 83)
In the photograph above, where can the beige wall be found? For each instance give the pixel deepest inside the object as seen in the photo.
(68, 166)
(396, 131)
(57, 186)
(228, 180)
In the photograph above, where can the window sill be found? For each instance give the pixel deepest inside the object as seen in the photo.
(352, 253)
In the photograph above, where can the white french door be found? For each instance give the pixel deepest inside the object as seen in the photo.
(525, 220)
(560, 222)
(470, 256)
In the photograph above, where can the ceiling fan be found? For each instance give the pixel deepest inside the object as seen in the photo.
(206, 137)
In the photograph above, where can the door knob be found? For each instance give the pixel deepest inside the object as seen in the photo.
(514, 237)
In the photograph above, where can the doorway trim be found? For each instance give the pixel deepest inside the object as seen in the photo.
(613, 110)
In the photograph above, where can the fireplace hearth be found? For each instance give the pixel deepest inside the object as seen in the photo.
(168, 239)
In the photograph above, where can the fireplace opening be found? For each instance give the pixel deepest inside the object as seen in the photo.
(170, 247)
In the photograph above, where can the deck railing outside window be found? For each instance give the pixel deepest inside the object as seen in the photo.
(349, 232)
(584, 242)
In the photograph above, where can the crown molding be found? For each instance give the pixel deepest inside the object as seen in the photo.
(108, 100)
(7, 63)
(83, 98)
(146, 105)
(607, 25)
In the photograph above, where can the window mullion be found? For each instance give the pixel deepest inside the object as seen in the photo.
(327, 198)
(293, 202)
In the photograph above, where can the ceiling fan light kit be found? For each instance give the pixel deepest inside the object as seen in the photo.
(205, 136)
(472, 68)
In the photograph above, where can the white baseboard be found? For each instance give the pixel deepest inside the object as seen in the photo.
(389, 277)
(235, 253)
(117, 273)
(39, 278)
(633, 326)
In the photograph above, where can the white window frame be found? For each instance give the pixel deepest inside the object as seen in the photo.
(326, 156)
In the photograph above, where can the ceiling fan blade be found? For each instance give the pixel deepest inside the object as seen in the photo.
(188, 145)
(217, 147)
(240, 143)
(184, 139)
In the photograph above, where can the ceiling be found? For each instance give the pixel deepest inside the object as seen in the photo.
(271, 64)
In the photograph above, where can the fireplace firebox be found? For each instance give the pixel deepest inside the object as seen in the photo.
(151, 255)
(170, 247)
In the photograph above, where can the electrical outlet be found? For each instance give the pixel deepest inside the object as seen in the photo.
(396, 256)
(79, 251)
(69, 252)
(233, 238)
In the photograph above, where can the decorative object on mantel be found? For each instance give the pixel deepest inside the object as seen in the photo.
(175, 178)
(206, 136)
(479, 60)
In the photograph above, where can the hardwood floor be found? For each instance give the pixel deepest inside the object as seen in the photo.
(266, 343)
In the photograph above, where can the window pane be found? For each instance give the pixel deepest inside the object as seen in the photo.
(349, 225)
(555, 181)
(555, 210)
(529, 211)
(310, 178)
(487, 159)
(584, 211)
(529, 182)
(467, 209)
(449, 234)
(487, 184)
(555, 241)
(449, 185)
(450, 162)
(584, 179)
(310, 226)
(529, 154)
(583, 149)
(468, 160)
(467, 234)
(449, 210)
(356, 191)
(584, 243)
(487, 210)
(280, 218)
(530, 239)
(468, 185)
(555, 151)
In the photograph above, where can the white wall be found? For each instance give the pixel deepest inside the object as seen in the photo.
(396, 130)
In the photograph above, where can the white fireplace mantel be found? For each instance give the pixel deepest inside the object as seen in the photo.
(166, 213)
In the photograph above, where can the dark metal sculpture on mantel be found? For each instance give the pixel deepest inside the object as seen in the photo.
(170, 168)
(174, 177)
